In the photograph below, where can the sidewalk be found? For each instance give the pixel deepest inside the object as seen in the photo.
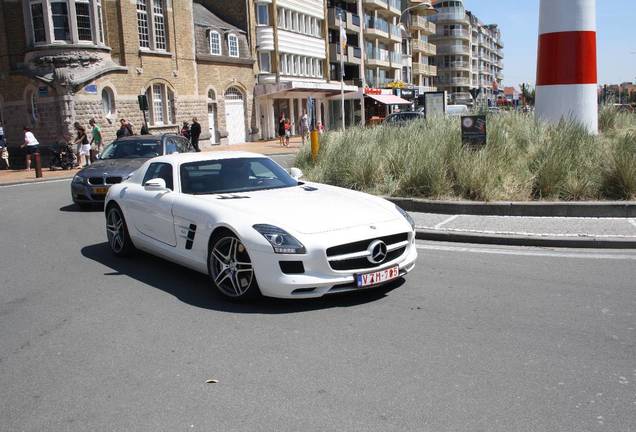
(264, 147)
(611, 233)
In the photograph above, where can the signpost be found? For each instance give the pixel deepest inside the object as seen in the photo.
(434, 103)
(143, 106)
(474, 131)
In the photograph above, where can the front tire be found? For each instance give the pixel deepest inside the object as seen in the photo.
(117, 232)
(230, 268)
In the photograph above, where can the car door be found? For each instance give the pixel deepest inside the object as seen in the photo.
(152, 210)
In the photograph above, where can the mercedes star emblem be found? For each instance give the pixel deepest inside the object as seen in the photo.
(377, 252)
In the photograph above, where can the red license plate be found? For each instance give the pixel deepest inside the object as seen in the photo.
(377, 277)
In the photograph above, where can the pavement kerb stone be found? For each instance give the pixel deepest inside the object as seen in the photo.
(592, 209)
(555, 242)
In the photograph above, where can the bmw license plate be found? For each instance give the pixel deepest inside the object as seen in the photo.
(378, 277)
(100, 190)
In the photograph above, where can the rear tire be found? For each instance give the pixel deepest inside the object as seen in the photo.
(117, 232)
(230, 268)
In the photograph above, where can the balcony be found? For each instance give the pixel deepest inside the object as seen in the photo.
(375, 4)
(452, 34)
(395, 7)
(377, 29)
(395, 34)
(454, 81)
(351, 22)
(422, 24)
(458, 16)
(424, 69)
(428, 49)
(500, 76)
(396, 60)
(453, 49)
(352, 56)
(379, 58)
(457, 65)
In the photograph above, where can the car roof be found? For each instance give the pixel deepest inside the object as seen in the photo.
(146, 138)
(181, 158)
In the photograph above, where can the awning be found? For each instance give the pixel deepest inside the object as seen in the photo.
(328, 88)
(388, 99)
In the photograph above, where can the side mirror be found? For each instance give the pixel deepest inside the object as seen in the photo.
(98, 156)
(296, 173)
(156, 184)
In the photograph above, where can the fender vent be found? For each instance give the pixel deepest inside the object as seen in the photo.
(225, 197)
(192, 230)
(309, 188)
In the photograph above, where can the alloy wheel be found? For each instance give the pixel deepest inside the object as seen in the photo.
(231, 268)
(115, 230)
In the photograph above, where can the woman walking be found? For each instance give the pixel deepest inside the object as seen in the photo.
(32, 146)
(281, 128)
(83, 146)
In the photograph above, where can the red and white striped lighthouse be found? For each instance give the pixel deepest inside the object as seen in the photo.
(566, 64)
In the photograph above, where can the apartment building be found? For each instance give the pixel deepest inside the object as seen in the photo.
(469, 53)
(63, 61)
(417, 20)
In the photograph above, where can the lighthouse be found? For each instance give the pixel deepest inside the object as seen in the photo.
(566, 64)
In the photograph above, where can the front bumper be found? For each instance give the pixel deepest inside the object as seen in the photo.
(319, 278)
(87, 194)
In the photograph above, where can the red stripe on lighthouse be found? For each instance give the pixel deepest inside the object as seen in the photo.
(567, 58)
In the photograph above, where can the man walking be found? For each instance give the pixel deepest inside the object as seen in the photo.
(195, 133)
(96, 139)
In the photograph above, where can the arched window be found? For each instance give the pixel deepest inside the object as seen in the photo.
(211, 96)
(65, 21)
(233, 46)
(215, 42)
(233, 93)
(161, 104)
(32, 105)
(108, 102)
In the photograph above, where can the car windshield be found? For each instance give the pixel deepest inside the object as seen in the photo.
(233, 175)
(132, 149)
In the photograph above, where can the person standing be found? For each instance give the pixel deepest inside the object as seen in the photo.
(281, 128)
(32, 146)
(83, 146)
(195, 133)
(96, 138)
(125, 129)
(304, 126)
(288, 127)
(185, 130)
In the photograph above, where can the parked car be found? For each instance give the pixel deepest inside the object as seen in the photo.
(403, 117)
(255, 229)
(118, 161)
(457, 110)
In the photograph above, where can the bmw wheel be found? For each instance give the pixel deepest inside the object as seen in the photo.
(117, 232)
(230, 268)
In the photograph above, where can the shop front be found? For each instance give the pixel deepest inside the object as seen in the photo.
(379, 103)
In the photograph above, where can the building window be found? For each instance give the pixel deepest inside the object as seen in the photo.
(108, 102)
(159, 25)
(142, 24)
(233, 93)
(161, 104)
(32, 105)
(100, 26)
(265, 62)
(61, 30)
(232, 42)
(215, 43)
(262, 14)
(37, 19)
(83, 17)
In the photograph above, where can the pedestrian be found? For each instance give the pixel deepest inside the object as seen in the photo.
(281, 128)
(304, 126)
(287, 132)
(195, 133)
(4, 151)
(144, 129)
(32, 146)
(321, 128)
(185, 130)
(96, 139)
(83, 147)
(125, 129)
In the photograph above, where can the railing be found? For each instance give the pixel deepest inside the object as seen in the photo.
(453, 33)
(377, 24)
(455, 65)
(395, 4)
(395, 57)
(378, 54)
(453, 49)
(424, 69)
(457, 81)
(395, 31)
(355, 20)
(458, 16)
(425, 47)
(357, 52)
(423, 24)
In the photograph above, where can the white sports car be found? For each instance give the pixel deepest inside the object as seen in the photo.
(255, 229)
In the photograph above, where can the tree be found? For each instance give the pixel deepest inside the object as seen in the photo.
(528, 94)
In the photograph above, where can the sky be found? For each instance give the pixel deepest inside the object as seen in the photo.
(519, 22)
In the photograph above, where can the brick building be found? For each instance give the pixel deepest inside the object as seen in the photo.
(63, 61)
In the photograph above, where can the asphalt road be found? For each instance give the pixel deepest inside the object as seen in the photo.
(476, 339)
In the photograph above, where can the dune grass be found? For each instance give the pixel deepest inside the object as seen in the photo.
(523, 160)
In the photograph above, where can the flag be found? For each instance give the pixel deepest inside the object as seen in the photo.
(343, 36)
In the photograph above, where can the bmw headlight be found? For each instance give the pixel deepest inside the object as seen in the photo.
(79, 180)
(406, 216)
(281, 240)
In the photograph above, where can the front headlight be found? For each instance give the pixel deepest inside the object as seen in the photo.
(406, 216)
(281, 240)
(79, 180)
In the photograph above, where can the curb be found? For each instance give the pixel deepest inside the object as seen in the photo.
(583, 243)
(592, 209)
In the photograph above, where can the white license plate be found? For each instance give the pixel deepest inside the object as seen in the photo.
(378, 277)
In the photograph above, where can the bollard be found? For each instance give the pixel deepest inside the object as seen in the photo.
(38, 165)
(566, 64)
(315, 144)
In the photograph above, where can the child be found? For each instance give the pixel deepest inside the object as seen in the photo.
(287, 132)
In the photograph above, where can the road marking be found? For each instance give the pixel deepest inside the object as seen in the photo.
(495, 251)
(36, 183)
(445, 221)
(529, 234)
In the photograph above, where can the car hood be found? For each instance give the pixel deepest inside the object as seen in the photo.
(112, 167)
(308, 209)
